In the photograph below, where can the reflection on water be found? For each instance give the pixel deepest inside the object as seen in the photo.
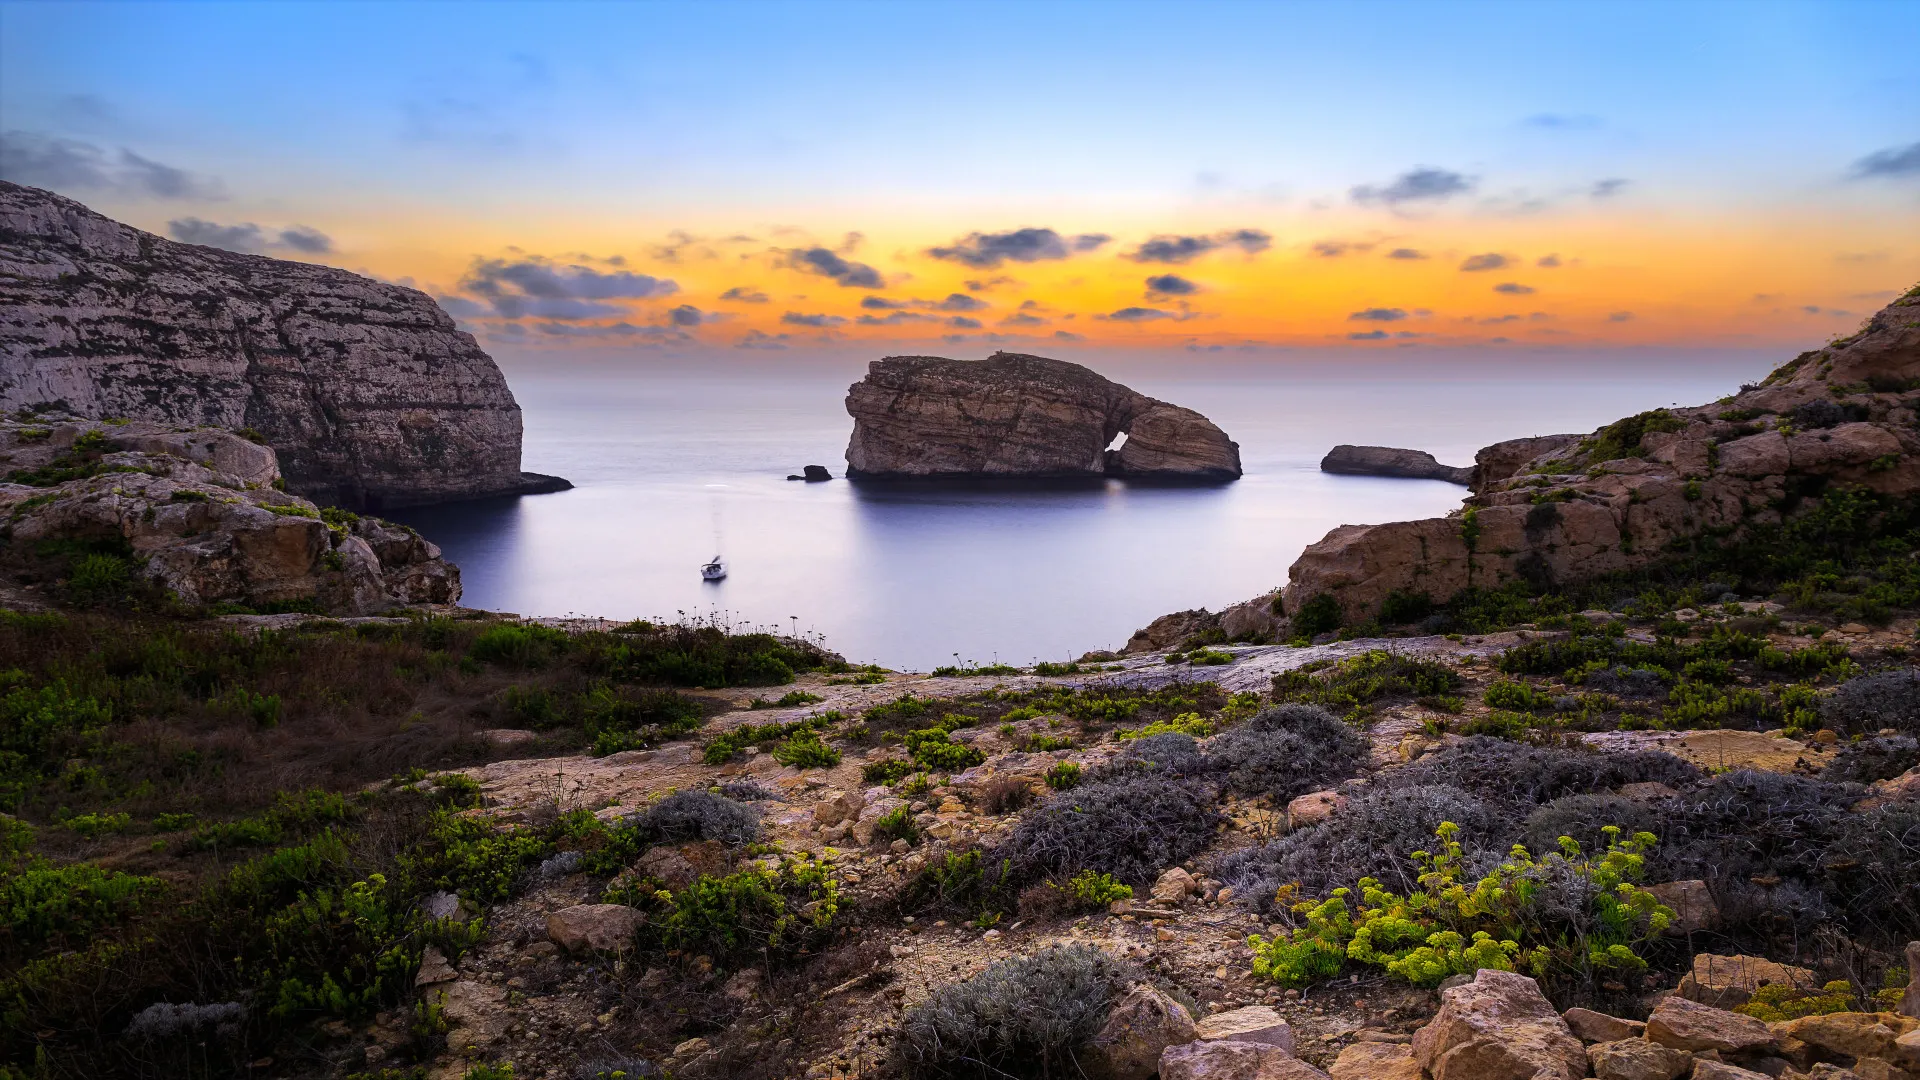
(672, 470)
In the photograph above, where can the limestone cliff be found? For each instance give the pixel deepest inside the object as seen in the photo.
(366, 390)
(1563, 509)
(1013, 415)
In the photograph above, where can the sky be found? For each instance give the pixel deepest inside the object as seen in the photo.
(660, 182)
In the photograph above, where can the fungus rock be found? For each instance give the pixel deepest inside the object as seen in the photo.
(1013, 415)
(368, 392)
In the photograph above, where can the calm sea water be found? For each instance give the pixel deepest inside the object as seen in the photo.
(672, 468)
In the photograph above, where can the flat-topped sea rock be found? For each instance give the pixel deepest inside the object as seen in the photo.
(1013, 415)
(1389, 461)
(368, 393)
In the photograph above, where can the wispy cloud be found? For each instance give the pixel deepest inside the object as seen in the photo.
(828, 263)
(1409, 254)
(1169, 248)
(1424, 183)
(1491, 260)
(538, 287)
(1562, 122)
(1378, 314)
(1893, 163)
(819, 322)
(1161, 286)
(1608, 188)
(249, 238)
(987, 251)
(71, 165)
(1514, 288)
(744, 294)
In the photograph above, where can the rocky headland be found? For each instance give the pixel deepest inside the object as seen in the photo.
(98, 513)
(367, 391)
(1013, 415)
(1554, 511)
(1388, 461)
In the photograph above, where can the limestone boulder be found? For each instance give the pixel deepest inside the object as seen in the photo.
(1709, 1069)
(1139, 1028)
(1693, 906)
(434, 968)
(1852, 1034)
(1226, 1059)
(1910, 1002)
(1498, 1027)
(1251, 1023)
(1168, 631)
(1503, 460)
(1376, 1061)
(1174, 886)
(1728, 982)
(1684, 1024)
(1597, 1027)
(1638, 1059)
(1314, 807)
(586, 928)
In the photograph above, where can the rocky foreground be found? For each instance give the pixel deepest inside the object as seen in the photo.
(1018, 416)
(102, 513)
(369, 393)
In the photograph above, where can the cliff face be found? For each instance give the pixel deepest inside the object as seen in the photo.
(1561, 509)
(1579, 508)
(1013, 415)
(367, 391)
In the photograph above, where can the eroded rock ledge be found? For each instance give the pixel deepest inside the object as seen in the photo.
(1390, 461)
(1561, 509)
(369, 393)
(1014, 415)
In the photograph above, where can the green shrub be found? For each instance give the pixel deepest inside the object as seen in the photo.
(896, 824)
(724, 746)
(1064, 775)
(790, 700)
(474, 857)
(291, 814)
(98, 579)
(887, 770)
(1357, 681)
(1777, 1002)
(41, 904)
(753, 916)
(1320, 615)
(88, 826)
(1092, 891)
(804, 750)
(1046, 667)
(634, 720)
(518, 645)
(1507, 694)
(934, 751)
(1185, 724)
(1510, 919)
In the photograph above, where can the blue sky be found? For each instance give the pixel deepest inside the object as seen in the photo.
(420, 137)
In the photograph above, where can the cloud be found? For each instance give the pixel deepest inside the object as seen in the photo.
(743, 294)
(536, 286)
(988, 284)
(830, 264)
(1514, 288)
(1378, 314)
(1547, 262)
(1421, 184)
(1023, 319)
(1896, 162)
(962, 302)
(1406, 253)
(1369, 335)
(986, 251)
(1067, 335)
(71, 165)
(895, 318)
(686, 315)
(1333, 249)
(1489, 261)
(1813, 310)
(755, 339)
(245, 236)
(305, 238)
(1608, 188)
(1620, 316)
(1562, 121)
(653, 334)
(794, 318)
(881, 303)
(460, 307)
(1137, 315)
(1163, 285)
(961, 322)
(1167, 248)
